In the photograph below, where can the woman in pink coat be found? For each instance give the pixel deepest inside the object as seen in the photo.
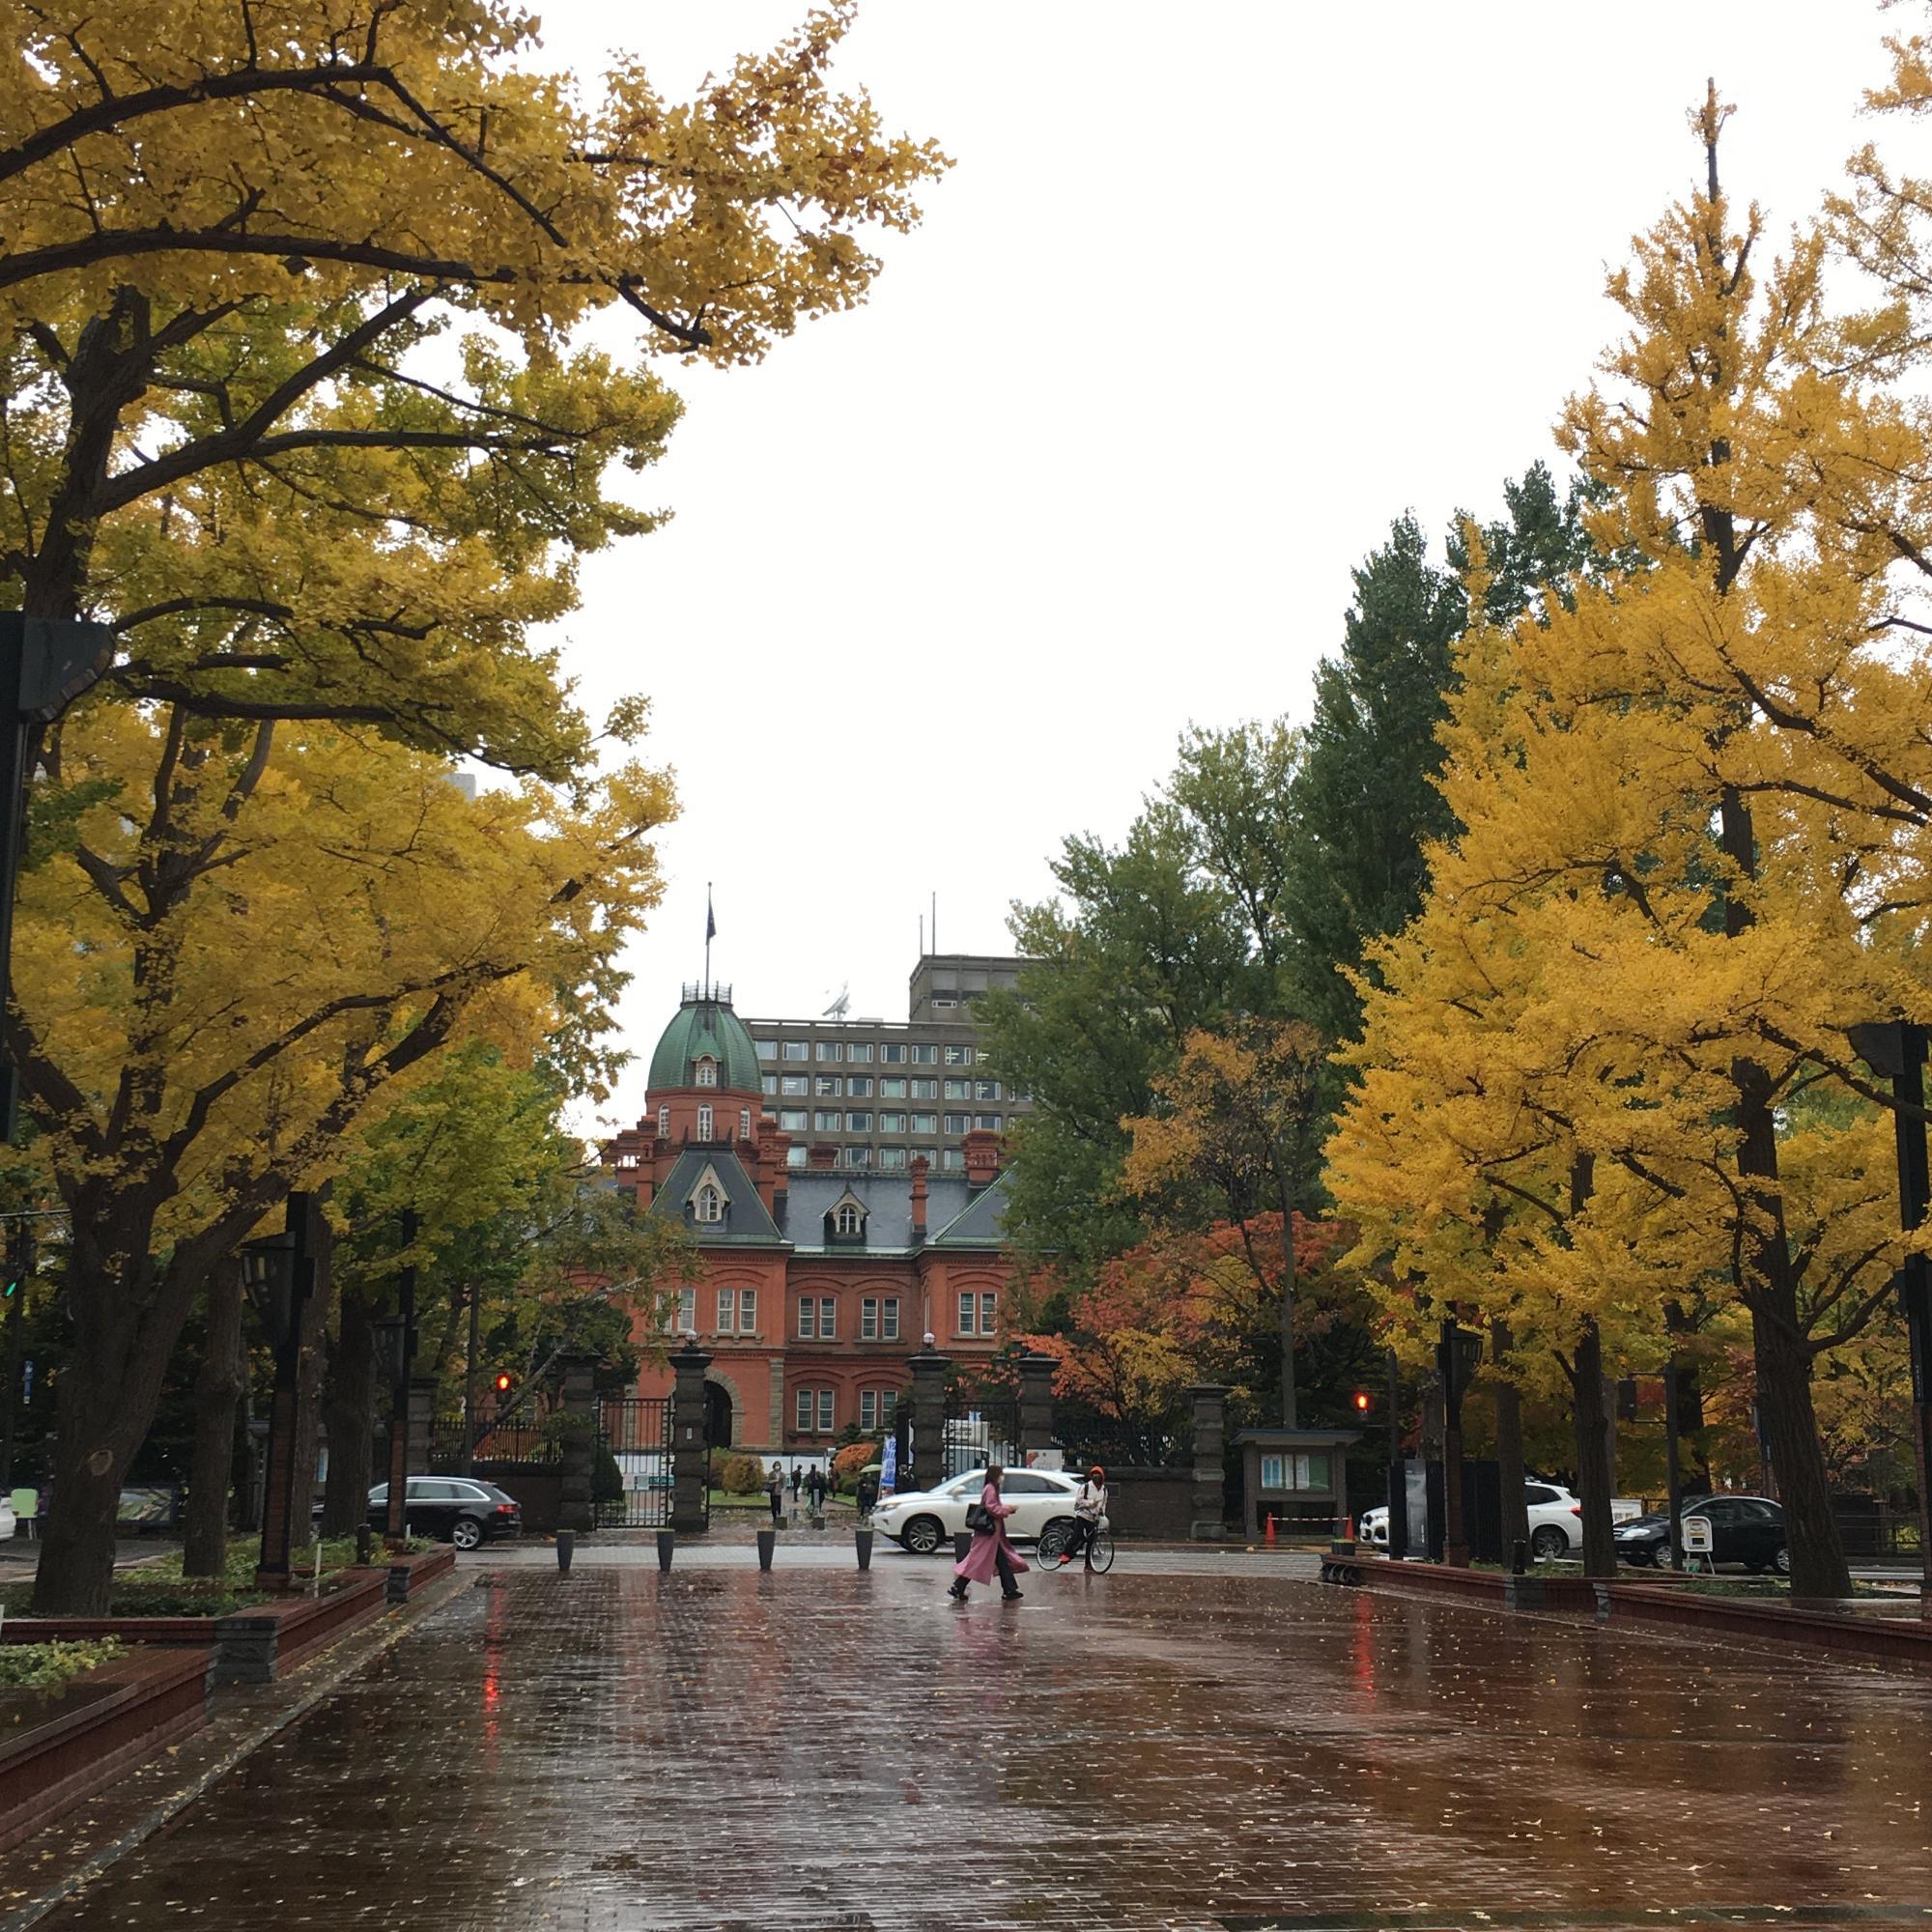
(990, 1551)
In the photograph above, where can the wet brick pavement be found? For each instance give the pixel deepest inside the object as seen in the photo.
(1160, 1749)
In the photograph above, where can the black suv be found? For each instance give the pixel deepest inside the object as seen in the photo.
(464, 1509)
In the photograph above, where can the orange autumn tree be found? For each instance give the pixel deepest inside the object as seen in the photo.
(1195, 1306)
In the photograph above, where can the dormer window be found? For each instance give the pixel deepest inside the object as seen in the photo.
(707, 1073)
(845, 1222)
(710, 1204)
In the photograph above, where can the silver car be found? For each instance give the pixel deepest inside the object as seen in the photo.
(928, 1520)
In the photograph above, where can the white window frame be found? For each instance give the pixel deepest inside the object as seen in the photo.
(858, 1051)
(807, 1317)
(889, 1317)
(707, 1072)
(830, 1087)
(828, 1318)
(728, 1310)
(858, 1156)
(802, 1409)
(869, 1319)
(664, 1123)
(868, 1411)
(705, 1120)
(747, 1311)
(744, 1123)
(708, 1205)
(687, 1309)
(795, 1050)
(827, 1413)
(848, 1220)
(989, 1314)
(969, 1308)
(831, 1050)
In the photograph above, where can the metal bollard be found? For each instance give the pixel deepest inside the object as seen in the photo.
(362, 1545)
(566, 1546)
(962, 1542)
(862, 1542)
(667, 1542)
(1520, 1562)
(767, 1542)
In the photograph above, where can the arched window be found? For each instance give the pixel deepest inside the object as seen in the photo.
(707, 1073)
(704, 1122)
(744, 1123)
(710, 1204)
(664, 1123)
(849, 1219)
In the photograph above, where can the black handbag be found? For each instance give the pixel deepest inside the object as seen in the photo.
(979, 1519)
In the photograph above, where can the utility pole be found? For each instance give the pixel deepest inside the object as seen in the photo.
(19, 1266)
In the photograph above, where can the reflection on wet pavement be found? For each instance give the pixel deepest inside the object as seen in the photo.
(820, 1748)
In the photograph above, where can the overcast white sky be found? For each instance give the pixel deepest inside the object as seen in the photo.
(1213, 294)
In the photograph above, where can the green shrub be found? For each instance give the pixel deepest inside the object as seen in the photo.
(742, 1476)
(606, 1480)
(47, 1666)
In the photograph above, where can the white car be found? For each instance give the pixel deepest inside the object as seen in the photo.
(10, 1523)
(1556, 1522)
(928, 1520)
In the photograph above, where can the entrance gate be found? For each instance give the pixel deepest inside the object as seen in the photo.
(636, 1435)
(983, 1426)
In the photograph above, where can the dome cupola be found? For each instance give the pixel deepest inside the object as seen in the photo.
(707, 1044)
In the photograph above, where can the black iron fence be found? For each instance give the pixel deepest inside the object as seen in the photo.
(631, 1474)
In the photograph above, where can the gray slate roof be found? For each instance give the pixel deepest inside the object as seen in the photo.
(745, 1224)
(980, 1223)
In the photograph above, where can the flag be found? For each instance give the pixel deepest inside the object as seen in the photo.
(710, 920)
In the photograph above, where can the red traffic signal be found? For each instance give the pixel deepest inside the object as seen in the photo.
(1361, 1401)
(503, 1385)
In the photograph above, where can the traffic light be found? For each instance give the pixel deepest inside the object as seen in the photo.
(1361, 1401)
(503, 1384)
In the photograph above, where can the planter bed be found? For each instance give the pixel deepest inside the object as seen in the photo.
(255, 1644)
(1495, 1588)
(1851, 1633)
(415, 1571)
(95, 1728)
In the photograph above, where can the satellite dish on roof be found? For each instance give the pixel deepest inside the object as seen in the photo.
(841, 1005)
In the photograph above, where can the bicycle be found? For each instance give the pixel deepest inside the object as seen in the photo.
(1056, 1535)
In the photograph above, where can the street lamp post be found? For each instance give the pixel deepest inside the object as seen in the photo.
(1457, 1355)
(1896, 1050)
(396, 1338)
(278, 1273)
(45, 664)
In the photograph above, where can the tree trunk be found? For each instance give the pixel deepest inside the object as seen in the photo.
(1509, 1443)
(126, 1324)
(1593, 1462)
(217, 1389)
(349, 1412)
(1782, 1355)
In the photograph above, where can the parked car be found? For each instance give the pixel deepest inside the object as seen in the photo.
(928, 1519)
(1744, 1530)
(10, 1521)
(1556, 1522)
(463, 1509)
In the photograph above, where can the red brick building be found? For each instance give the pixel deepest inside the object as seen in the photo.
(819, 1280)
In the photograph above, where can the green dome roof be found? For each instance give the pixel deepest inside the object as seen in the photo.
(705, 1025)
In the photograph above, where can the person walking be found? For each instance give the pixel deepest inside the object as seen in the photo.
(816, 1486)
(775, 1486)
(869, 1495)
(989, 1552)
(797, 1477)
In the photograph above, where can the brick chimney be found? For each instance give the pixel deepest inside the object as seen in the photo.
(982, 1157)
(774, 1153)
(919, 1167)
(822, 1157)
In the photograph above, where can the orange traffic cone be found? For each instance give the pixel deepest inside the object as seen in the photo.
(1269, 1537)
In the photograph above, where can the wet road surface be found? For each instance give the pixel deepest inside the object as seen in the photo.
(817, 1748)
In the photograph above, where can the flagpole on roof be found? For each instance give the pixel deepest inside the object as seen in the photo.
(710, 927)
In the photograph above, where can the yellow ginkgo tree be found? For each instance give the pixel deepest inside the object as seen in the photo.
(239, 943)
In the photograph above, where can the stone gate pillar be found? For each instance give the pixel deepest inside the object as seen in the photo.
(1208, 1401)
(689, 1445)
(579, 1442)
(928, 1416)
(1035, 1402)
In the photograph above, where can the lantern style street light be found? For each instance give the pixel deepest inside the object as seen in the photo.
(278, 1274)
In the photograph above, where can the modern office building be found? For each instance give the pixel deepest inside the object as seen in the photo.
(883, 1092)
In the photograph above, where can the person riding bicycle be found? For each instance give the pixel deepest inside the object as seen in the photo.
(1090, 1506)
